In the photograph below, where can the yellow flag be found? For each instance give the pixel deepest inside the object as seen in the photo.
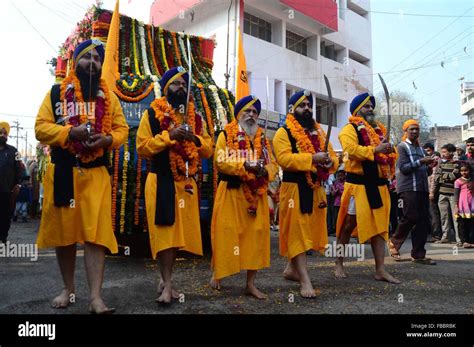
(242, 83)
(110, 68)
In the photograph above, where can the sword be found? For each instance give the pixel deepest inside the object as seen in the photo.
(266, 156)
(331, 114)
(389, 116)
(190, 74)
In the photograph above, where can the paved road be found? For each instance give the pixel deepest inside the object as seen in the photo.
(130, 284)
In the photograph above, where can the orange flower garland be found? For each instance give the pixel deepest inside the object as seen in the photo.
(207, 110)
(388, 170)
(251, 194)
(304, 144)
(176, 49)
(138, 98)
(177, 152)
(73, 81)
(152, 49)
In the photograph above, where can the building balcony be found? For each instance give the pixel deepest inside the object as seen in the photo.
(467, 105)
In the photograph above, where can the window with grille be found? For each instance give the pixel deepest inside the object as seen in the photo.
(296, 43)
(322, 112)
(257, 27)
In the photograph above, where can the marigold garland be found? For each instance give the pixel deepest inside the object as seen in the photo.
(373, 137)
(310, 142)
(206, 110)
(71, 93)
(239, 142)
(180, 152)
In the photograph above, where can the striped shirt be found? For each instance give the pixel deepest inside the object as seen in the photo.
(445, 175)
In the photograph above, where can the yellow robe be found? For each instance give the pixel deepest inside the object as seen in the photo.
(89, 219)
(299, 232)
(185, 233)
(239, 241)
(369, 222)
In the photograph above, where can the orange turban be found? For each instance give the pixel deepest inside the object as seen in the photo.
(409, 123)
(5, 126)
(406, 125)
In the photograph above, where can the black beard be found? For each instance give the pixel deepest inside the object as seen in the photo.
(89, 86)
(306, 120)
(176, 99)
(3, 141)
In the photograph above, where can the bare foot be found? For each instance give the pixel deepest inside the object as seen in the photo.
(165, 297)
(97, 306)
(307, 290)
(62, 300)
(161, 286)
(385, 276)
(253, 291)
(215, 284)
(291, 274)
(339, 271)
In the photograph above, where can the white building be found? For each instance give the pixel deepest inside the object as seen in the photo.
(467, 109)
(293, 42)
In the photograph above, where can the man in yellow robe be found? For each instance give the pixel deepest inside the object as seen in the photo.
(365, 203)
(81, 120)
(299, 150)
(240, 227)
(175, 144)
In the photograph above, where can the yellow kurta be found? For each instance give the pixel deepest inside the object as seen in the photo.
(239, 241)
(185, 233)
(89, 219)
(369, 222)
(299, 232)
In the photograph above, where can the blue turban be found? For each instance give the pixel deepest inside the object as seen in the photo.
(359, 101)
(170, 76)
(245, 103)
(297, 98)
(86, 47)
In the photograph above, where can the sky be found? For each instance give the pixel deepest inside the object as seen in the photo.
(32, 31)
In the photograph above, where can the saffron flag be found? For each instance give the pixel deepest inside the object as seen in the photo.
(110, 69)
(241, 79)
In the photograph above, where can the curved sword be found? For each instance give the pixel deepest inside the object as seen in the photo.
(331, 114)
(389, 116)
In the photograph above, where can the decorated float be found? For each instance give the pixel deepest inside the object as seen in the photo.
(145, 52)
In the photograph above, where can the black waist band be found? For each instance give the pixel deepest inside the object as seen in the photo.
(63, 174)
(359, 179)
(304, 190)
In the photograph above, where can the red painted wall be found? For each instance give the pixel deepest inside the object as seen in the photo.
(322, 11)
(164, 10)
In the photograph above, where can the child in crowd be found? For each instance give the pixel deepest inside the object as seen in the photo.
(464, 210)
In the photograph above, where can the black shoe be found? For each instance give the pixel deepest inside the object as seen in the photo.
(15, 218)
(24, 220)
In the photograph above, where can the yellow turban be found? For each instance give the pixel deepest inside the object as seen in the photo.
(5, 126)
(409, 123)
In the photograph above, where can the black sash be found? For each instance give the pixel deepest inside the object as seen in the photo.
(165, 190)
(304, 190)
(64, 161)
(370, 179)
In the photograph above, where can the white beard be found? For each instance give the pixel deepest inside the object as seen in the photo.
(250, 130)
